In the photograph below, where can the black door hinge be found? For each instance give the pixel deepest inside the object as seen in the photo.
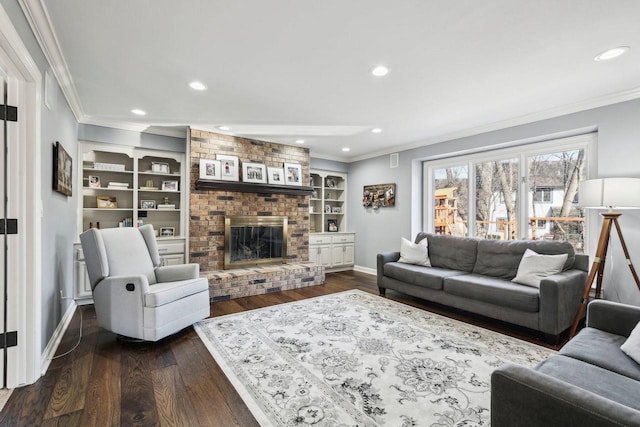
(12, 113)
(11, 339)
(11, 226)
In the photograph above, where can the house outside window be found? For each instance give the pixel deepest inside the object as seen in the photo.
(528, 192)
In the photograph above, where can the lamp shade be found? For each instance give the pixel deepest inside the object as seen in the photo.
(620, 193)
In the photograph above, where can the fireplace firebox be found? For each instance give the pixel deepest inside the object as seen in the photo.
(254, 240)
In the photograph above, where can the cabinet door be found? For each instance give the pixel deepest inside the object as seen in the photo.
(337, 255)
(320, 254)
(348, 251)
(174, 259)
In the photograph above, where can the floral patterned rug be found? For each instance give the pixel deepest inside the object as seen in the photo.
(356, 359)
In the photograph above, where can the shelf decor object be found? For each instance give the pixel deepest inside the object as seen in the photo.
(609, 193)
(62, 168)
(275, 175)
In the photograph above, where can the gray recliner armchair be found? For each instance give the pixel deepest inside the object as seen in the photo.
(133, 295)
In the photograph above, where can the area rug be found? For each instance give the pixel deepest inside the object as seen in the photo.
(356, 359)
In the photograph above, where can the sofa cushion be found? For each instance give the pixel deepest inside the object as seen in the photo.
(594, 379)
(427, 277)
(602, 349)
(414, 253)
(534, 267)
(501, 258)
(494, 291)
(451, 252)
(631, 346)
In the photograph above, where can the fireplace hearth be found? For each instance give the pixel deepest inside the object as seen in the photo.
(254, 240)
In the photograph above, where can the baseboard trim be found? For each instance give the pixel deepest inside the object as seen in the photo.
(366, 270)
(56, 338)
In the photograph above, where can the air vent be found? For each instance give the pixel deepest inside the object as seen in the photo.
(393, 160)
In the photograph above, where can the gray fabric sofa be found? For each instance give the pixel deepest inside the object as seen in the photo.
(475, 275)
(591, 382)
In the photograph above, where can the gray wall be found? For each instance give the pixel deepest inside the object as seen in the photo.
(618, 151)
(59, 211)
(329, 165)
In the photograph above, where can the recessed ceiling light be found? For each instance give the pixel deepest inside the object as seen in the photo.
(380, 71)
(139, 112)
(346, 149)
(224, 128)
(611, 53)
(376, 130)
(299, 141)
(197, 86)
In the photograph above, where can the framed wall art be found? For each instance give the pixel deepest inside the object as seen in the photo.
(254, 172)
(229, 167)
(62, 170)
(292, 174)
(379, 196)
(275, 175)
(210, 169)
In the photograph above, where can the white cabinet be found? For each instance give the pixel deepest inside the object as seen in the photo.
(327, 205)
(82, 286)
(333, 250)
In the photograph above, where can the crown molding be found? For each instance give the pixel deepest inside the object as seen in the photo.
(156, 129)
(602, 101)
(38, 18)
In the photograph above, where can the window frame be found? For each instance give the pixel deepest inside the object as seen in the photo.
(585, 142)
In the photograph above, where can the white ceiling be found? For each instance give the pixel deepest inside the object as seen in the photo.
(280, 70)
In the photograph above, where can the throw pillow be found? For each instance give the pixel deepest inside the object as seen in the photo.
(631, 346)
(534, 267)
(414, 253)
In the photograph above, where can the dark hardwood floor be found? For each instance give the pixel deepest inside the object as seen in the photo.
(174, 382)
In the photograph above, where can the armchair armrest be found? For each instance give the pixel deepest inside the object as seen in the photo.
(120, 309)
(382, 259)
(612, 317)
(524, 397)
(560, 296)
(173, 273)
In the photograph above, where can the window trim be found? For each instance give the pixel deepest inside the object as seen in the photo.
(587, 142)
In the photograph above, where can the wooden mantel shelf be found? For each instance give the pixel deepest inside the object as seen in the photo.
(248, 187)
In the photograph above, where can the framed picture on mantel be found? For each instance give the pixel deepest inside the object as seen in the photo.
(229, 167)
(293, 174)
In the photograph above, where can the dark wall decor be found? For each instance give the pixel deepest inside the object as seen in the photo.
(379, 196)
(62, 167)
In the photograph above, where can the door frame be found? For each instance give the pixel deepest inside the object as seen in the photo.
(25, 273)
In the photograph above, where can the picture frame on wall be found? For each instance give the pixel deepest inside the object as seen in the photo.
(275, 175)
(62, 170)
(292, 174)
(229, 167)
(210, 169)
(254, 172)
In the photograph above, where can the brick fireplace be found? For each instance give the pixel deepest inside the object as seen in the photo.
(209, 208)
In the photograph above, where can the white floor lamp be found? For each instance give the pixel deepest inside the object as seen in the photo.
(618, 193)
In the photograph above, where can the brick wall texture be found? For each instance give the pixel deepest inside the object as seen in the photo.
(207, 209)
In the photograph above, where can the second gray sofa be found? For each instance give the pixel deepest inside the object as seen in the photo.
(475, 275)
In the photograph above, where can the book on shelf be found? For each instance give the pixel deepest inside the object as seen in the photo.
(148, 188)
(122, 185)
(166, 206)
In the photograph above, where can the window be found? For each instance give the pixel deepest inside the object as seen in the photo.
(525, 192)
(542, 195)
